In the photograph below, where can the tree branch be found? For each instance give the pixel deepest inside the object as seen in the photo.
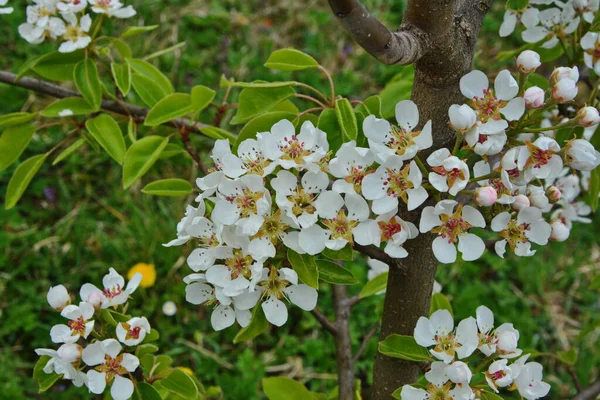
(343, 343)
(365, 340)
(589, 393)
(59, 92)
(403, 47)
(325, 322)
(375, 253)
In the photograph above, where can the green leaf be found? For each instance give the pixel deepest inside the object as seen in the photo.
(345, 254)
(172, 150)
(217, 133)
(489, 396)
(305, 267)
(374, 286)
(595, 27)
(290, 60)
(136, 30)
(568, 357)
(397, 393)
(371, 106)
(77, 105)
(263, 84)
(107, 317)
(21, 178)
(69, 150)
(256, 101)
(145, 391)
(548, 55)
(517, 4)
(148, 70)
(122, 76)
(262, 123)
(165, 51)
(147, 89)
(333, 273)
(143, 349)
(58, 66)
(140, 157)
(45, 381)
(132, 130)
(346, 119)
(328, 123)
(105, 130)
(181, 384)
(122, 48)
(257, 325)
(282, 388)
(13, 142)
(395, 91)
(153, 336)
(440, 302)
(17, 118)
(173, 106)
(286, 105)
(87, 81)
(404, 347)
(27, 66)
(168, 187)
(201, 97)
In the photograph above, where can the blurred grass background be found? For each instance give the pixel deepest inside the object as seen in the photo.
(75, 220)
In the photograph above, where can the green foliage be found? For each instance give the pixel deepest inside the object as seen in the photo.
(345, 254)
(172, 187)
(404, 347)
(140, 157)
(57, 66)
(346, 119)
(45, 381)
(258, 324)
(76, 105)
(88, 83)
(262, 123)
(290, 60)
(280, 388)
(201, 97)
(181, 384)
(137, 30)
(122, 76)
(17, 118)
(170, 107)
(255, 101)
(333, 273)
(306, 268)
(375, 285)
(21, 179)
(105, 130)
(440, 302)
(13, 142)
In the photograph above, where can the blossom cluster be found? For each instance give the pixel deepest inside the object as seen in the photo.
(67, 21)
(495, 347)
(91, 352)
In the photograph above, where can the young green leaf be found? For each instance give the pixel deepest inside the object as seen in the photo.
(140, 157)
(145, 391)
(132, 130)
(105, 130)
(136, 30)
(13, 141)
(305, 267)
(153, 336)
(168, 187)
(45, 381)
(262, 123)
(440, 302)
(374, 286)
(328, 123)
(17, 118)
(345, 254)
(333, 273)
(69, 150)
(88, 83)
(172, 150)
(173, 106)
(216, 133)
(257, 325)
(568, 357)
(255, 101)
(179, 383)
(282, 388)
(122, 48)
(371, 106)
(58, 66)
(290, 60)
(21, 178)
(148, 90)
(404, 347)
(346, 119)
(148, 70)
(122, 76)
(263, 84)
(76, 106)
(201, 97)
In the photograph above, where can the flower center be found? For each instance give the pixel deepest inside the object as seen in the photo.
(255, 163)
(498, 375)
(397, 183)
(209, 241)
(114, 291)
(538, 156)
(440, 392)
(341, 227)
(356, 175)
(274, 285)
(272, 227)
(74, 32)
(488, 107)
(452, 175)
(515, 233)
(398, 139)
(111, 367)
(293, 149)
(453, 226)
(302, 202)
(77, 326)
(239, 264)
(246, 202)
(446, 344)
(389, 229)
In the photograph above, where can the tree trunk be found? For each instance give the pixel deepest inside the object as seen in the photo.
(343, 345)
(439, 37)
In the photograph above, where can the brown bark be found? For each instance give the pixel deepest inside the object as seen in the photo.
(445, 33)
(343, 344)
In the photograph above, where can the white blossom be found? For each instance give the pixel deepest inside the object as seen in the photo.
(529, 226)
(450, 174)
(115, 292)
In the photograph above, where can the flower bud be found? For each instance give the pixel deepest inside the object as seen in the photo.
(95, 299)
(459, 372)
(564, 73)
(485, 196)
(560, 232)
(582, 155)
(58, 297)
(508, 340)
(521, 201)
(553, 194)
(528, 61)
(462, 117)
(534, 97)
(70, 352)
(588, 116)
(565, 90)
(538, 199)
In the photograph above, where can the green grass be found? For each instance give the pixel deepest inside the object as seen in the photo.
(93, 224)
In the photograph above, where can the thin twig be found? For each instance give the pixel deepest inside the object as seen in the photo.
(365, 341)
(310, 98)
(589, 393)
(325, 322)
(375, 253)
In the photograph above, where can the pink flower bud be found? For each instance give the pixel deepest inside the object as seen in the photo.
(485, 196)
(588, 116)
(534, 97)
(95, 299)
(560, 232)
(58, 297)
(564, 73)
(553, 193)
(70, 352)
(565, 90)
(521, 201)
(528, 61)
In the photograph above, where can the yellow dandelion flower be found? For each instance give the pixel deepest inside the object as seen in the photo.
(148, 274)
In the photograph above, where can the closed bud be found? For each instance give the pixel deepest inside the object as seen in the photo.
(95, 299)
(560, 232)
(534, 97)
(582, 155)
(459, 372)
(508, 341)
(462, 117)
(528, 61)
(553, 194)
(588, 116)
(485, 196)
(521, 201)
(561, 73)
(538, 199)
(70, 352)
(58, 297)
(564, 91)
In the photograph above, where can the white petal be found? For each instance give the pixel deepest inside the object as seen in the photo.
(424, 334)
(514, 110)
(222, 317)
(485, 319)
(445, 252)
(303, 296)
(429, 220)
(312, 240)
(442, 322)
(198, 293)
(505, 86)
(471, 246)
(328, 204)
(121, 389)
(130, 362)
(424, 139)
(500, 222)
(473, 84)
(96, 381)
(358, 209)
(384, 205)
(275, 311)
(93, 354)
(473, 217)
(407, 115)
